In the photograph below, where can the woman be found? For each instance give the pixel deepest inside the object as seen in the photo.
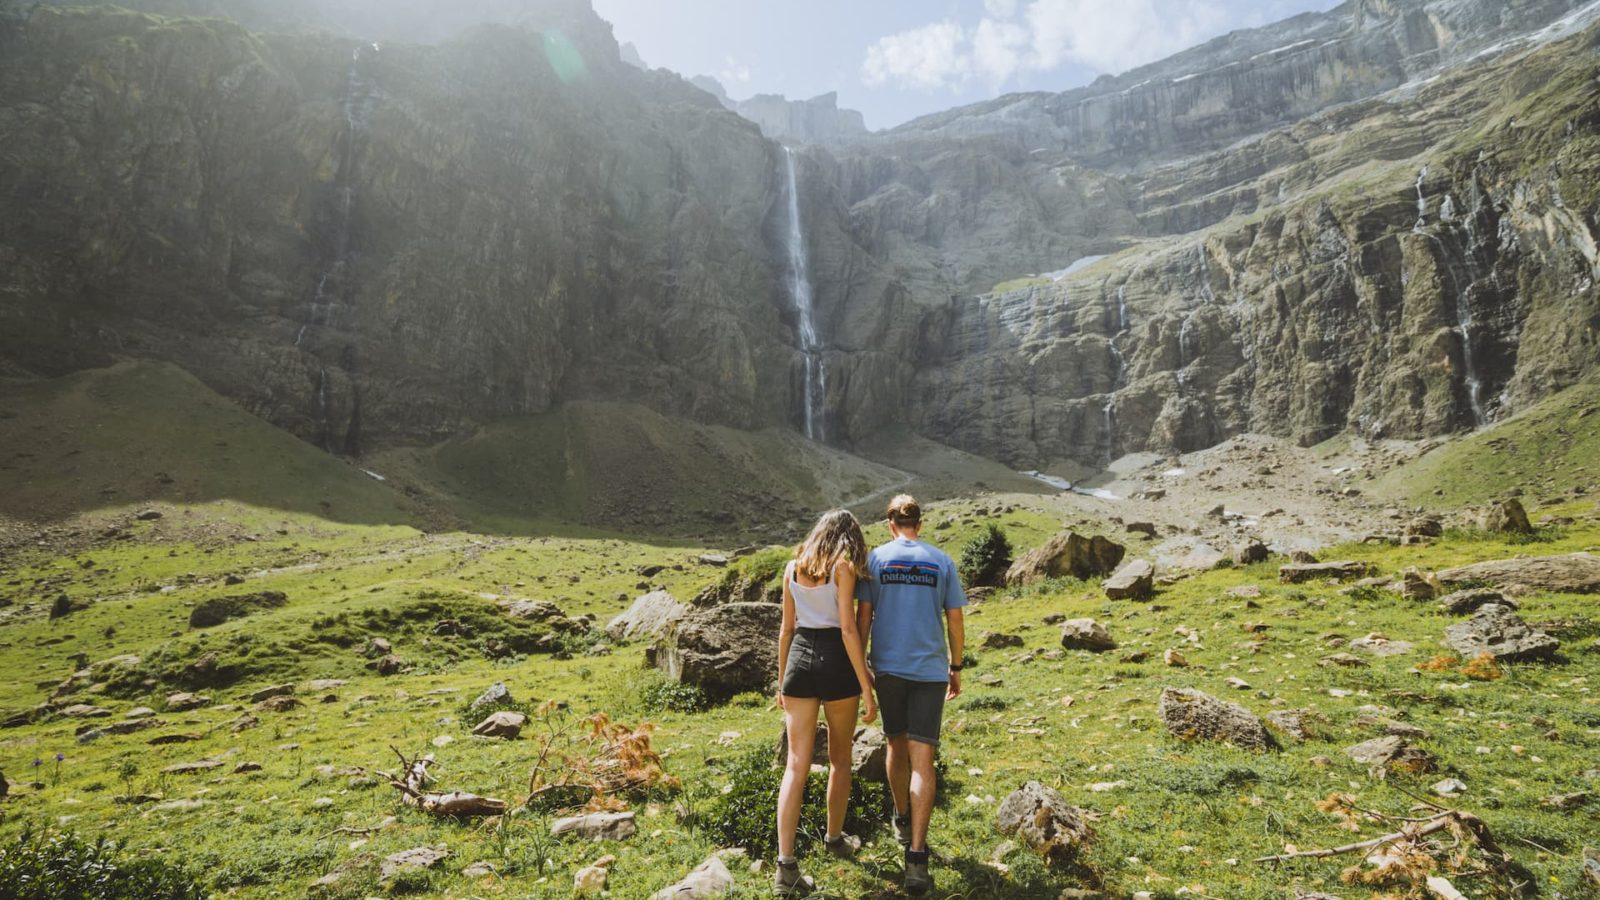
(820, 664)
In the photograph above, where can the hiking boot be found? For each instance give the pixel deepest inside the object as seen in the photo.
(844, 846)
(786, 881)
(902, 829)
(917, 880)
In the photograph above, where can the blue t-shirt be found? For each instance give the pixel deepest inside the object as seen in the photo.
(912, 585)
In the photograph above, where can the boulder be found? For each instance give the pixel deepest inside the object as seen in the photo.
(1572, 573)
(1461, 603)
(1415, 584)
(280, 703)
(996, 640)
(1191, 715)
(1299, 573)
(503, 724)
(1296, 723)
(1423, 527)
(1148, 529)
(1501, 633)
(377, 647)
(389, 665)
(1134, 581)
(649, 617)
(494, 695)
(1201, 557)
(1042, 819)
(415, 858)
(725, 649)
(1506, 517)
(1392, 752)
(217, 610)
(709, 879)
(1068, 554)
(267, 693)
(1086, 634)
(533, 610)
(1250, 553)
(604, 826)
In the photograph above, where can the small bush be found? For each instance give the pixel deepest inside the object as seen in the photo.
(985, 558)
(673, 696)
(746, 813)
(984, 702)
(56, 866)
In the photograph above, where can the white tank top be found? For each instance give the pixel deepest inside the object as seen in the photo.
(814, 607)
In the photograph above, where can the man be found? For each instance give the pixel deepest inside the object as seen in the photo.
(911, 601)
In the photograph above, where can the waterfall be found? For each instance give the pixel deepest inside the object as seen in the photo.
(1480, 417)
(1122, 308)
(1110, 413)
(1120, 363)
(355, 106)
(816, 386)
(1422, 201)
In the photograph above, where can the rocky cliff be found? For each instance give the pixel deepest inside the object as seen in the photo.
(1380, 218)
(815, 121)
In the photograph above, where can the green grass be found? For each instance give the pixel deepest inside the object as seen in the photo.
(1545, 450)
(265, 833)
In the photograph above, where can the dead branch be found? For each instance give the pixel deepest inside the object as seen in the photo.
(414, 779)
(1412, 831)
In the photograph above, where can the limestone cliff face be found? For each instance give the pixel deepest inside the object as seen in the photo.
(390, 244)
(1304, 229)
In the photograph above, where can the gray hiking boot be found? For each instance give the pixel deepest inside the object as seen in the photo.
(917, 881)
(902, 829)
(786, 880)
(844, 846)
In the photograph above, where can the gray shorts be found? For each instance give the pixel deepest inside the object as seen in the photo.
(911, 708)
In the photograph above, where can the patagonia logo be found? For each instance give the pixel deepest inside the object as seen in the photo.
(913, 573)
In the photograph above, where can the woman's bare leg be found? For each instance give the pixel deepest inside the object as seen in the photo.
(800, 722)
(841, 716)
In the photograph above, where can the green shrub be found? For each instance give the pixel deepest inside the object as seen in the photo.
(746, 813)
(664, 695)
(985, 558)
(57, 866)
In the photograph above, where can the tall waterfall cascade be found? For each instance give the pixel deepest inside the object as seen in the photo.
(816, 375)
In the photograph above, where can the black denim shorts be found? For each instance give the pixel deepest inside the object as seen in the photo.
(911, 708)
(819, 667)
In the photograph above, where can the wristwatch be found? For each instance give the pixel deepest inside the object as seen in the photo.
(955, 667)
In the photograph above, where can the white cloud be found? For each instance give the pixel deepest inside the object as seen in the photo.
(927, 57)
(1040, 36)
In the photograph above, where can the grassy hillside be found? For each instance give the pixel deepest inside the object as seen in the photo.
(139, 433)
(1169, 815)
(1546, 449)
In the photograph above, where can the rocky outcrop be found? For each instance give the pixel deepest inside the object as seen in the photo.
(1043, 820)
(815, 121)
(1573, 573)
(649, 617)
(725, 649)
(1068, 554)
(1497, 631)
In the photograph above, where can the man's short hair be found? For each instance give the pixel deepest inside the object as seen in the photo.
(904, 511)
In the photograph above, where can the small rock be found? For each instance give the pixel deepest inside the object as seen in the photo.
(1470, 601)
(377, 647)
(494, 695)
(709, 879)
(1299, 573)
(994, 640)
(1295, 723)
(1086, 634)
(246, 767)
(480, 869)
(1174, 658)
(1379, 645)
(1449, 787)
(415, 858)
(183, 702)
(389, 665)
(1250, 553)
(503, 724)
(589, 880)
(1566, 802)
(280, 690)
(1392, 752)
(616, 826)
(278, 704)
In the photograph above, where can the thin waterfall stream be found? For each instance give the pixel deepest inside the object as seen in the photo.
(816, 380)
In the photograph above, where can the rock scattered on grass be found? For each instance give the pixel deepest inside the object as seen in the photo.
(415, 858)
(1086, 634)
(1192, 715)
(612, 826)
(503, 724)
(1572, 573)
(1394, 753)
(1496, 630)
(1042, 818)
(1068, 554)
(709, 879)
(648, 618)
(1300, 573)
(1134, 581)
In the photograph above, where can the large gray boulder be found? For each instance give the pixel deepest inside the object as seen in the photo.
(1134, 581)
(1192, 715)
(1043, 819)
(1571, 573)
(1501, 633)
(725, 649)
(649, 617)
(1506, 516)
(1068, 554)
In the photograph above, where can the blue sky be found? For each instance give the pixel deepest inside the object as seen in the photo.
(898, 59)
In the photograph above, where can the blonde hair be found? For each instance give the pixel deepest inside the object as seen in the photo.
(834, 539)
(904, 511)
